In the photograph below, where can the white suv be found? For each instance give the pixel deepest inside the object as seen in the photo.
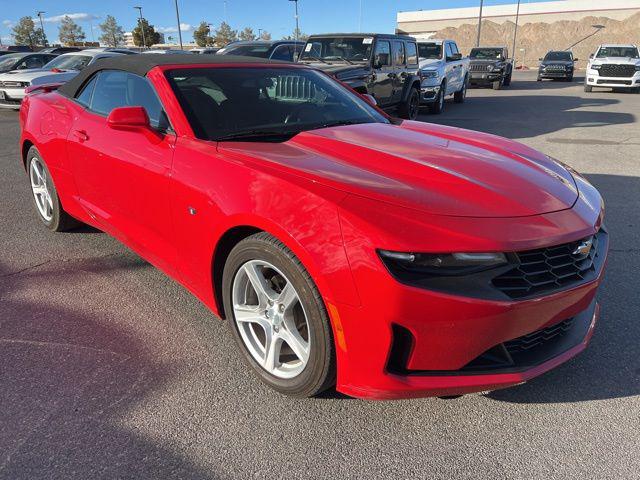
(614, 66)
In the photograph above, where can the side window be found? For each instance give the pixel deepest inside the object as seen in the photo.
(281, 52)
(31, 62)
(448, 51)
(383, 53)
(454, 48)
(412, 53)
(115, 89)
(84, 98)
(398, 53)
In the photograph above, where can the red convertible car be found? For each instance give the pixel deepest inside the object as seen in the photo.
(389, 258)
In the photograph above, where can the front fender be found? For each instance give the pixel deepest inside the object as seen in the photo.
(411, 81)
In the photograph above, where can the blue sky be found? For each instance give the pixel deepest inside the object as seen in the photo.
(275, 16)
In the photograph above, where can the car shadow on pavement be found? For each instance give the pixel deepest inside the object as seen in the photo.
(68, 379)
(532, 84)
(610, 366)
(547, 114)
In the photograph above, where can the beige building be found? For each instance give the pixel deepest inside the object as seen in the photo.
(424, 23)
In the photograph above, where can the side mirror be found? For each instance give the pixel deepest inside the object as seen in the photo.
(592, 55)
(369, 99)
(541, 59)
(128, 118)
(454, 58)
(576, 59)
(380, 60)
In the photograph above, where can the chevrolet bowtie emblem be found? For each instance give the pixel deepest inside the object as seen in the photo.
(583, 249)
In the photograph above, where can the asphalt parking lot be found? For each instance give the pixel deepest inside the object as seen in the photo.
(108, 369)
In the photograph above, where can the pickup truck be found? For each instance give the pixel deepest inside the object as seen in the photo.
(382, 66)
(614, 66)
(443, 72)
(491, 66)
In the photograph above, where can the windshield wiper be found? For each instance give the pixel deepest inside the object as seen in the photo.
(256, 134)
(315, 58)
(339, 124)
(344, 59)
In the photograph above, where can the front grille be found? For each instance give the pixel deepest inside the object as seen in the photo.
(536, 339)
(613, 70)
(479, 67)
(555, 68)
(614, 82)
(548, 270)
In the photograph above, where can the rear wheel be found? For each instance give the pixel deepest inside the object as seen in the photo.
(437, 106)
(411, 107)
(461, 95)
(45, 195)
(278, 317)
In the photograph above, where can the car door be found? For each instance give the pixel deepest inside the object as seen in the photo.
(450, 69)
(399, 56)
(123, 176)
(384, 72)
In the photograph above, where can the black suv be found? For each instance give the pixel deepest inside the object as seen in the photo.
(381, 65)
(490, 66)
(557, 65)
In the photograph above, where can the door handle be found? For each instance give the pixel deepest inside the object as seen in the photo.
(81, 135)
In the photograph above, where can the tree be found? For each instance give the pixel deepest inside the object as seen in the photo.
(69, 32)
(265, 36)
(223, 35)
(202, 35)
(247, 34)
(300, 36)
(112, 33)
(26, 33)
(151, 37)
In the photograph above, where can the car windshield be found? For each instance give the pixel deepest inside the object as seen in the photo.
(486, 53)
(69, 62)
(430, 51)
(351, 49)
(555, 56)
(260, 51)
(265, 104)
(631, 52)
(8, 61)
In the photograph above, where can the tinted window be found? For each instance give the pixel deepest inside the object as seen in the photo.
(398, 53)
(412, 53)
(383, 53)
(551, 56)
(115, 89)
(354, 49)
(454, 48)
(430, 51)
(265, 103)
(281, 52)
(32, 62)
(448, 50)
(486, 53)
(260, 51)
(70, 62)
(631, 52)
(84, 98)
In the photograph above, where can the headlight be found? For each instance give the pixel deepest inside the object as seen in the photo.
(491, 68)
(637, 68)
(440, 263)
(542, 65)
(429, 73)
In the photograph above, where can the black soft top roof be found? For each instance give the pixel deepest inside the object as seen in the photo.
(142, 63)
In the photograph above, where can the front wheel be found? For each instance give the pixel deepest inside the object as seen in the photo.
(45, 195)
(497, 85)
(278, 317)
(437, 106)
(411, 107)
(507, 80)
(588, 88)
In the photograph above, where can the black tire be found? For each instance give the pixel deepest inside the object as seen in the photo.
(570, 78)
(437, 107)
(410, 108)
(539, 79)
(507, 81)
(60, 220)
(588, 88)
(497, 85)
(320, 371)
(461, 95)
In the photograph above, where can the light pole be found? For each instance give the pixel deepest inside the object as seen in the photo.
(597, 27)
(515, 32)
(144, 42)
(44, 36)
(178, 19)
(297, 32)
(479, 23)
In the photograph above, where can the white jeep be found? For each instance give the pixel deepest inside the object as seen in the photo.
(614, 66)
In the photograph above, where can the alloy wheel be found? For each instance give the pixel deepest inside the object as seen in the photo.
(271, 319)
(40, 188)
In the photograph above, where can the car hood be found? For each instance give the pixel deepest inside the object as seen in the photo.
(556, 62)
(617, 60)
(434, 169)
(339, 69)
(430, 63)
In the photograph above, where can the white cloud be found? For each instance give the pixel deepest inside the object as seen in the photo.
(185, 27)
(82, 17)
(8, 23)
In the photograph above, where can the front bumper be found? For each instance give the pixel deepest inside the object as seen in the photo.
(595, 80)
(11, 98)
(483, 78)
(555, 74)
(429, 93)
(406, 342)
